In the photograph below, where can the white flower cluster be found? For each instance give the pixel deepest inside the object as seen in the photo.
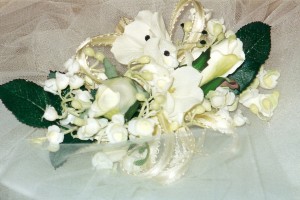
(160, 80)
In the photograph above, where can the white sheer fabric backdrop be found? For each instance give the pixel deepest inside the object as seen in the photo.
(38, 36)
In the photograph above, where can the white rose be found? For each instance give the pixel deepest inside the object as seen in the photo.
(225, 58)
(50, 113)
(141, 127)
(114, 96)
(50, 86)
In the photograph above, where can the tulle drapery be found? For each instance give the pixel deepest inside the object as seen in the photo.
(262, 163)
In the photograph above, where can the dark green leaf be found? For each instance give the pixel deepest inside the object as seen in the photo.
(110, 69)
(212, 85)
(256, 38)
(132, 111)
(201, 62)
(67, 149)
(27, 101)
(245, 76)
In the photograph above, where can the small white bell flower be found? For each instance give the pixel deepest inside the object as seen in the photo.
(72, 66)
(50, 86)
(62, 81)
(141, 127)
(50, 113)
(76, 82)
(55, 137)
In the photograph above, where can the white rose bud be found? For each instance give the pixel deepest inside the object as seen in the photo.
(114, 96)
(50, 114)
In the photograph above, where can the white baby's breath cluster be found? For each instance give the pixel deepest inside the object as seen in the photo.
(160, 86)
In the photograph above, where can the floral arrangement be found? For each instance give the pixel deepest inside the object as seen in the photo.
(168, 87)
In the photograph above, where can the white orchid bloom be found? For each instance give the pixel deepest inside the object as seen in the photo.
(116, 131)
(146, 35)
(55, 137)
(225, 58)
(114, 96)
(50, 86)
(141, 127)
(50, 113)
(268, 78)
(183, 94)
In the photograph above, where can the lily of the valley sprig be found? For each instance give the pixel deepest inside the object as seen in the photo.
(171, 84)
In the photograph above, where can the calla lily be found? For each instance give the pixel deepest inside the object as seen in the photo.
(226, 57)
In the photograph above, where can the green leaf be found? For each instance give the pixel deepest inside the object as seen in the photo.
(52, 74)
(141, 150)
(110, 69)
(256, 38)
(201, 62)
(66, 150)
(27, 101)
(132, 111)
(212, 85)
